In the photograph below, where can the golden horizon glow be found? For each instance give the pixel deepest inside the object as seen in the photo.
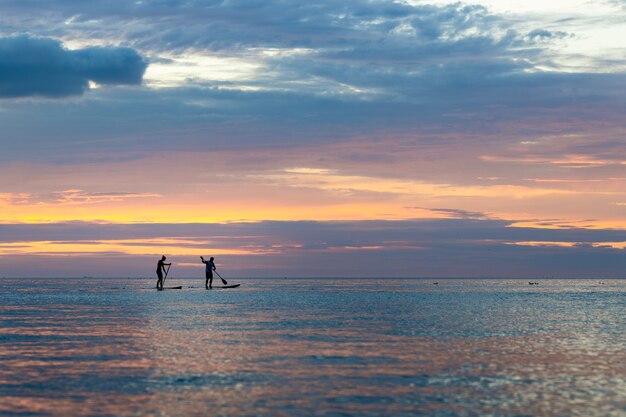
(189, 193)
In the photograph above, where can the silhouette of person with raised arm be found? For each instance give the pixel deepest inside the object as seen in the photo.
(160, 269)
(210, 267)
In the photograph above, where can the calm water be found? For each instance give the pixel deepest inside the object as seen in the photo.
(304, 348)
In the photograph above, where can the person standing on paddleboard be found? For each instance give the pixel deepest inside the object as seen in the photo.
(210, 267)
(160, 269)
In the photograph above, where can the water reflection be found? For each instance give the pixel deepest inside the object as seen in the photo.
(346, 347)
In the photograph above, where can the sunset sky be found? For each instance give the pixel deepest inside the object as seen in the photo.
(313, 138)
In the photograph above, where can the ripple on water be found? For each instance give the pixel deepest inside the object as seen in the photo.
(297, 347)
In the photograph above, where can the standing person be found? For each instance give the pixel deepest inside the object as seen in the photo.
(160, 269)
(210, 267)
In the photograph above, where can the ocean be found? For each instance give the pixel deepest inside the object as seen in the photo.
(313, 347)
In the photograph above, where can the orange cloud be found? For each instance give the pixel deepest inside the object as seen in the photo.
(172, 246)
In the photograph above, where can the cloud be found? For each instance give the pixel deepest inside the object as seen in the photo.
(315, 45)
(428, 247)
(455, 213)
(72, 196)
(43, 67)
(315, 70)
(543, 34)
(313, 234)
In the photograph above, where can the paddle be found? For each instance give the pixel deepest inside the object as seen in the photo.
(223, 280)
(166, 272)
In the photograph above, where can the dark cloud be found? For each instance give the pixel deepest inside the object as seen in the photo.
(220, 24)
(429, 247)
(385, 34)
(456, 213)
(367, 66)
(543, 34)
(317, 234)
(42, 67)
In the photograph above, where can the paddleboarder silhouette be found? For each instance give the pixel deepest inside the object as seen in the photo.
(160, 269)
(210, 267)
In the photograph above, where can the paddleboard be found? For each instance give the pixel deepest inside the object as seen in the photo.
(171, 288)
(215, 287)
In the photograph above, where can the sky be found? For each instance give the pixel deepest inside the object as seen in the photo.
(324, 138)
